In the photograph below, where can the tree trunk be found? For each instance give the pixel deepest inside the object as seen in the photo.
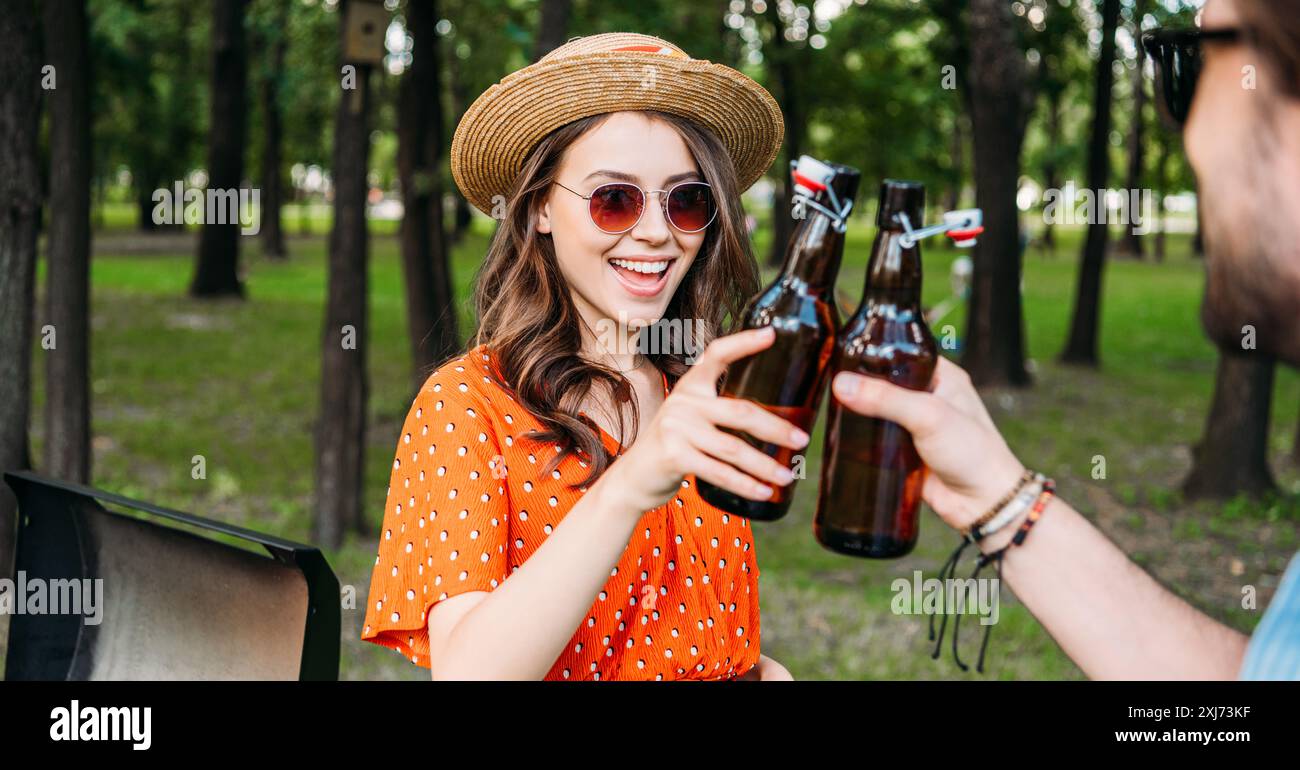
(1051, 169)
(553, 28)
(20, 186)
(1081, 348)
(1232, 457)
(731, 42)
(67, 280)
(788, 97)
(181, 111)
(304, 213)
(146, 116)
(958, 152)
(97, 204)
(430, 309)
(1131, 244)
(216, 273)
(1162, 183)
(995, 346)
(462, 218)
(1198, 240)
(1295, 445)
(144, 203)
(340, 441)
(459, 95)
(272, 231)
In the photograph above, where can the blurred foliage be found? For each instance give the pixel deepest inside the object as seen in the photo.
(880, 80)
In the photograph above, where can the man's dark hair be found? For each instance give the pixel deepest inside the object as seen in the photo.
(1273, 26)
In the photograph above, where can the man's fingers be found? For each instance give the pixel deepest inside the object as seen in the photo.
(917, 410)
(713, 361)
(952, 383)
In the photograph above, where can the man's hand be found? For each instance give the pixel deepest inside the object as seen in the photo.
(1109, 616)
(970, 465)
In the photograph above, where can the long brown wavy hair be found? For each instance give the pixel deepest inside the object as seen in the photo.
(528, 320)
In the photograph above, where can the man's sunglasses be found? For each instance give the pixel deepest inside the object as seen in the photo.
(1177, 57)
(617, 207)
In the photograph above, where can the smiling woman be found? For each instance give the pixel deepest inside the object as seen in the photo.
(643, 252)
(552, 465)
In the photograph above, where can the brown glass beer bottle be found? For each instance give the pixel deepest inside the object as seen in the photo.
(788, 377)
(870, 491)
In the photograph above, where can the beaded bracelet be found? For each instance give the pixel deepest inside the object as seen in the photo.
(1025, 478)
(1010, 512)
(1049, 489)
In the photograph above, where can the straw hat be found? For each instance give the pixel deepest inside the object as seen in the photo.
(608, 73)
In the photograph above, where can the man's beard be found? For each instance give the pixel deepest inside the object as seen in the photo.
(1252, 293)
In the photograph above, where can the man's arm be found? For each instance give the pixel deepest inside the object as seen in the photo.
(1112, 618)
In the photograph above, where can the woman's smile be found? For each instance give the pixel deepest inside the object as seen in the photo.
(642, 276)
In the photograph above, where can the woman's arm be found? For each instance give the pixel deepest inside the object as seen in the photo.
(518, 630)
(1114, 620)
(767, 670)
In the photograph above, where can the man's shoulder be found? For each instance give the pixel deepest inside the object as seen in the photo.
(1274, 650)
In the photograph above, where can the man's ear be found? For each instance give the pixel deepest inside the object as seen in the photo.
(544, 216)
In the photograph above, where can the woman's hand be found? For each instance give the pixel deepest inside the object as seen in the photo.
(971, 466)
(684, 436)
(766, 670)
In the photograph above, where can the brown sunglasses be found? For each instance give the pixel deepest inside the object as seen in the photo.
(617, 207)
(1177, 56)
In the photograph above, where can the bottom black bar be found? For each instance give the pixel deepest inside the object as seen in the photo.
(420, 719)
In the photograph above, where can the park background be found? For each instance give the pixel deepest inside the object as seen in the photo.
(180, 341)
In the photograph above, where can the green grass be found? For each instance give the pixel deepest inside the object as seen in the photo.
(238, 383)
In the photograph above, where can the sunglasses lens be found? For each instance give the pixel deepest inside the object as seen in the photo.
(690, 206)
(1178, 64)
(616, 207)
(1184, 67)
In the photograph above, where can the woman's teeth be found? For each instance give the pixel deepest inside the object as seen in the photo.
(641, 267)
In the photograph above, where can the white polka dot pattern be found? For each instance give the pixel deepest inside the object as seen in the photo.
(471, 497)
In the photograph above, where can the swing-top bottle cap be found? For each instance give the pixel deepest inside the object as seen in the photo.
(901, 196)
(812, 176)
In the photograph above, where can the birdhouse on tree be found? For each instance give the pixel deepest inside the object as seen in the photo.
(366, 23)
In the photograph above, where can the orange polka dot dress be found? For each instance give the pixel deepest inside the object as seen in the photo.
(468, 502)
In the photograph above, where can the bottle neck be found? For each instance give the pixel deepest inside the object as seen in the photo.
(894, 272)
(814, 254)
